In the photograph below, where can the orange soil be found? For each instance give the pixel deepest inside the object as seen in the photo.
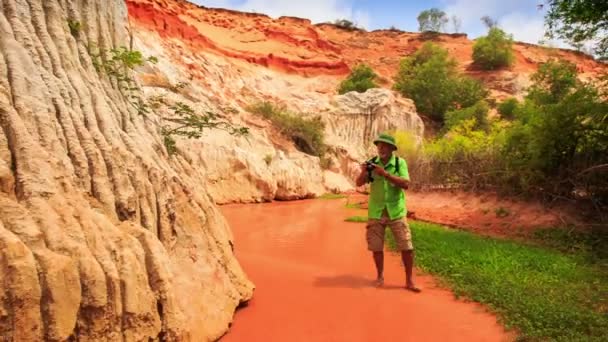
(478, 213)
(294, 45)
(314, 276)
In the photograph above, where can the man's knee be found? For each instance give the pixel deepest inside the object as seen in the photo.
(375, 236)
(403, 236)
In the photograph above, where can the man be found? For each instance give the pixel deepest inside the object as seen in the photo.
(386, 207)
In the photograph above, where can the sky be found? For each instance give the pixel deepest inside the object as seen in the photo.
(521, 18)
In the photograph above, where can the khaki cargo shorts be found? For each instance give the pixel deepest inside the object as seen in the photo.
(399, 227)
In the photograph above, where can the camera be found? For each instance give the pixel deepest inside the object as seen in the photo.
(370, 166)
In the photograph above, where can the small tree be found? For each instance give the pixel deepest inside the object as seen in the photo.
(494, 50)
(432, 20)
(361, 79)
(429, 77)
(489, 21)
(456, 23)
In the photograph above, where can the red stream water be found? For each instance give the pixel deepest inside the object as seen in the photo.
(314, 282)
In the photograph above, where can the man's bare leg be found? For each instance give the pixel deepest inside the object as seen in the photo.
(408, 262)
(379, 261)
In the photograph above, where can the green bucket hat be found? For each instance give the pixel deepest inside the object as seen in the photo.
(385, 138)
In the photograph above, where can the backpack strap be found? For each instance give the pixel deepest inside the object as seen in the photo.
(397, 165)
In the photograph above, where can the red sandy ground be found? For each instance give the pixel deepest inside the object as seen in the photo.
(478, 212)
(314, 276)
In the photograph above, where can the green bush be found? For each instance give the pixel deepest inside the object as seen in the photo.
(346, 24)
(307, 134)
(494, 50)
(561, 131)
(507, 108)
(469, 91)
(465, 157)
(430, 78)
(75, 27)
(477, 112)
(555, 146)
(361, 78)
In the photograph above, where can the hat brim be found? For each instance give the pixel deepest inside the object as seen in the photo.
(386, 142)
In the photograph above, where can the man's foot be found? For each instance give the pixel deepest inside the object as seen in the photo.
(413, 288)
(379, 282)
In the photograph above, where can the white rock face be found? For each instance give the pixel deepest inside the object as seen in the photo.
(266, 166)
(103, 237)
(357, 118)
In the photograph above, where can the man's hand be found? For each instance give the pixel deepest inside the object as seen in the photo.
(362, 176)
(363, 168)
(380, 171)
(396, 180)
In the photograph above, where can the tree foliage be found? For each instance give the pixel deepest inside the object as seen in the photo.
(578, 22)
(432, 20)
(554, 146)
(430, 78)
(489, 21)
(507, 108)
(478, 113)
(182, 120)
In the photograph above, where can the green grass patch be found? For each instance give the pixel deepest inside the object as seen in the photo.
(546, 294)
(356, 219)
(330, 196)
(353, 205)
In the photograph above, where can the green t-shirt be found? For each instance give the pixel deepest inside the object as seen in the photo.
(384, 194)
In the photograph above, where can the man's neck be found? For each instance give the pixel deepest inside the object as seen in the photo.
(386, 160)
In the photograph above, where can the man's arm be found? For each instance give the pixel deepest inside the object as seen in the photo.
(361, 180)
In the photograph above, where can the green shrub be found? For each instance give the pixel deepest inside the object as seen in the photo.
(477, 112)
(325, 162)
(75, 28)
(494, 50)
(268, 159)
(507, 108)
(346, 24)
(119, 63)
(555, 146)
(430, 78)
(361, 78)
(307, 134)
(469, 91)
(464, 157)
(561, 130)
